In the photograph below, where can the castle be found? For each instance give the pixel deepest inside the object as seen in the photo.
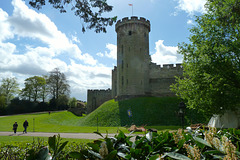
(135, 74)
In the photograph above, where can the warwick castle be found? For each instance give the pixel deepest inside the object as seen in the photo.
(135, 74)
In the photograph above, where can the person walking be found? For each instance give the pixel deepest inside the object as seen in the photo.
(25, 125)
(15, 125)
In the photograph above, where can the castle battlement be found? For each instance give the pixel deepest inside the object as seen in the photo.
(132, 20)
(99, 90)
(166, 66)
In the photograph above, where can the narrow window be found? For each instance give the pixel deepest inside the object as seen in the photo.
(122, 81)
(129, 33)
(122, 50)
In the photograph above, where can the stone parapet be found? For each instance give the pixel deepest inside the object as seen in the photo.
(132, 20)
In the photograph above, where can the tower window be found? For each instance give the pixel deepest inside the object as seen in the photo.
(122, 50)
(129, 33)
(122, 81)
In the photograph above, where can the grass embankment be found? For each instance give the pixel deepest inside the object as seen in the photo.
(151, 111)
(59, 122)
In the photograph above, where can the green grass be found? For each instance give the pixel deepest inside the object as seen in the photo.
(151, 112)
(29, 139)
(62, 122)
(146, 111)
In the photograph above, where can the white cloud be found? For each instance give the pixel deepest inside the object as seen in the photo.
(23, 59)
(191, 6)
(166, 54)
(113, 51)
(5, 32)
(100, 54)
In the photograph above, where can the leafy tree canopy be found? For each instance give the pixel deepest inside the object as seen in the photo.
(90, 11)
(9, 87)
(211, 63)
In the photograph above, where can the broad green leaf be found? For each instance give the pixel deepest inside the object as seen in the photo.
(62, 146)
(95, 154)
(177, 156)
(111, 155)
(149, 136)
(99, 134)
(202, 141)
(120, 154)
(155, 157)
(77, 155)
(52, 142)
(43, 154)
(94, 147)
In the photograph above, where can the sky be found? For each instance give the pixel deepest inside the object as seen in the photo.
(34, 42)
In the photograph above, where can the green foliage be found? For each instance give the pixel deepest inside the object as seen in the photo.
(148, 111)
(211, 60)
(90, 11)
(72, 102)
(198, 145)
(34, 88)
(9, 88)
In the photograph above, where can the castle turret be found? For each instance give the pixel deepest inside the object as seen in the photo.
(132, 56)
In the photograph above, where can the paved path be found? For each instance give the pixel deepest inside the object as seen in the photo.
(62, 135)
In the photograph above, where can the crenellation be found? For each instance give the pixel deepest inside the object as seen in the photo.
(133, 20)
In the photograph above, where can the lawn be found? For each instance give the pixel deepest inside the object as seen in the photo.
(151, 112)
(59, 122)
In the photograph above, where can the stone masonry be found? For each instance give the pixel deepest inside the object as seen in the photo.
(135, 74)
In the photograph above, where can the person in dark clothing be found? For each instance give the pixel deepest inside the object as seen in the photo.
(15, 125)
(25, 125)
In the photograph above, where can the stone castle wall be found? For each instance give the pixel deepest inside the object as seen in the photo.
(161, 77)
(97, 97)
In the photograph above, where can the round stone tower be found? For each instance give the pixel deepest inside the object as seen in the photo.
(132, 56)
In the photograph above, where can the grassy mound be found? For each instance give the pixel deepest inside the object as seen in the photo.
(150, 111)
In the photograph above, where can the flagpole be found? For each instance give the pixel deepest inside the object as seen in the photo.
(132, 8)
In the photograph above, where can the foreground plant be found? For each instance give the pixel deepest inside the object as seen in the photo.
(200, 144)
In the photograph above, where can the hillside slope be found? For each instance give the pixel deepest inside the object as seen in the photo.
(145, 111)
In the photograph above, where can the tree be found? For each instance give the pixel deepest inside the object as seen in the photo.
(58, 84)
(211, 63)
(90, 11)
(2, 104)
(9, 88)
(72, 102)
(34, 88)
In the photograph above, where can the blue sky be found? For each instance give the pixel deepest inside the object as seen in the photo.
(34, 42)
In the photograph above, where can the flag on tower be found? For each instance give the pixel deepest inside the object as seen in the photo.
(130, 4)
